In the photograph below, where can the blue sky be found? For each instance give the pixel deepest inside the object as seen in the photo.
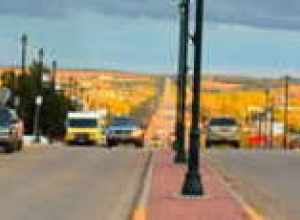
(248, 37)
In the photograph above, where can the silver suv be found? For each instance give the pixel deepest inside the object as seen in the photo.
(11, 130)
(125, 130)
(223, 130)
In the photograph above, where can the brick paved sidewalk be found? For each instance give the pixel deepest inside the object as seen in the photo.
(165, 202)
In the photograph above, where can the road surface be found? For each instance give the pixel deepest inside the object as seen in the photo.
(268, 180)
(64, 183)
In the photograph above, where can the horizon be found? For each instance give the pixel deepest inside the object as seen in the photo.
(205, 73)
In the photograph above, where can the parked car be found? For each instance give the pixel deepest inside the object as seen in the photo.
(124, 130)
(294, 141)
(11, 130)
(223, 130)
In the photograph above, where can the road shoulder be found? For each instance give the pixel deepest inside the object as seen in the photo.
(231, 188)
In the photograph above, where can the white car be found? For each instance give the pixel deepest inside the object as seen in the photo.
(223, 130)
(11, 130)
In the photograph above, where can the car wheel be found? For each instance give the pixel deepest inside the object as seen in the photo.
(110, 143)
(20, 145)
(139, 144)
(68, 143)
(92, 143)
(208, 144)
(236, 144)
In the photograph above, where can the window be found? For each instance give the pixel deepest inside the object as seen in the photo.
(83, 123)
(223, 122)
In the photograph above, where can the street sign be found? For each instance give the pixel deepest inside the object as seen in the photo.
(46, 77)
(46, 80)
(39, 100)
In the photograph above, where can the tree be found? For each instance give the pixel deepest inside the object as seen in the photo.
(54, 108)
(8, 79)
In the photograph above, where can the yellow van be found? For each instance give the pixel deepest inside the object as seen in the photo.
(85, 127)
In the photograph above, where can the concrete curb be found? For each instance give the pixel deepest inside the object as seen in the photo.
(139, 211)
(252, 214)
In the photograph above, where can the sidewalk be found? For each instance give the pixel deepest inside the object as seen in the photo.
(165, 202)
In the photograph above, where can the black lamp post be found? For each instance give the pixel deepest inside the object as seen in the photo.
(24, 41)
(180, 156)
(54, 69)
(41, 70)
(39, 98)
(193, 184)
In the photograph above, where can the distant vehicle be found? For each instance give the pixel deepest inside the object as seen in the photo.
(125, 130)
(11, 130)
(294, 141)
(85, 127)
(223, 130)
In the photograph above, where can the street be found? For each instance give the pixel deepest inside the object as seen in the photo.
(59, 182)
(267, 180)
(171, 79)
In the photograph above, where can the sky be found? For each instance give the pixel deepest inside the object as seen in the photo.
(240, 36)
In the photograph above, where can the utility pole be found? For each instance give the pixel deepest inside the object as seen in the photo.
(24, 41)
(272, 125)
(39, 98)
(180, 156)
(260, 128)
(72, 81)
(41, 68)
(267, 95)
(286, 113)
(193, 184)
(54, 69)
(15, 86)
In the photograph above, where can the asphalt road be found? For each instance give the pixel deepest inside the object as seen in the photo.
(267, 180)
(64, 183)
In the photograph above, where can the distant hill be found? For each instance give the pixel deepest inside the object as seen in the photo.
(63, 74)
(251, 81)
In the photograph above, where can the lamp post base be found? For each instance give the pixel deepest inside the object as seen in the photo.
(192, 185)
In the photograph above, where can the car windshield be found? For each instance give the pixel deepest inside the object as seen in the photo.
(83, 123)
(222, 122)
(124, 122)
(5, 117)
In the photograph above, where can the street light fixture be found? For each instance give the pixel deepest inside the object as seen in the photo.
(193, 184)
